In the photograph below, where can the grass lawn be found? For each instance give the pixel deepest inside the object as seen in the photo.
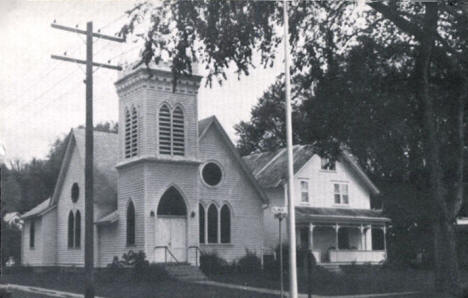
(352, 280)
(120, 286)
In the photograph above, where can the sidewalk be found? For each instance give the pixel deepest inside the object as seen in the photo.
(43, 291)
(276, 292)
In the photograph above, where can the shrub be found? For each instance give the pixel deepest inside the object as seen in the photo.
(211, 263)
(249, 263)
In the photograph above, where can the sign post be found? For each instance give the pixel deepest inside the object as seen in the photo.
(280, 213)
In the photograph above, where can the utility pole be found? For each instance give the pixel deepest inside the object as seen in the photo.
(89, 144)
(291, 209)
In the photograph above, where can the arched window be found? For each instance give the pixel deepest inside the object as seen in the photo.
(32, 233)
(225, 224)
(77, 229)
(134, 132)
(172, 203)
(71, 229)
(128, 134)
(201, 225)
(178, 137)
(130, 224)
(164, 130)
(212, 224)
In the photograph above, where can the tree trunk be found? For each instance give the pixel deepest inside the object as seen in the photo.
(445, 256)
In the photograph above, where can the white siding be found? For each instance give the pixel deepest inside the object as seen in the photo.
(49, 238)
(321, 193)
(238, 192)
(32, 256)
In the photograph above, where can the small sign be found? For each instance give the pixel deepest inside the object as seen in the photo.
(279, 210)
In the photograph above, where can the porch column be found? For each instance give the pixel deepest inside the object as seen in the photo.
(311, 236)
(363, 240)
(337, 227)
(385, 237)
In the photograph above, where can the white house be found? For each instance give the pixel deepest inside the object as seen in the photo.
(172, 186)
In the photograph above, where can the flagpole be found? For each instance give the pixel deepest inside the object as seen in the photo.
(291, 211)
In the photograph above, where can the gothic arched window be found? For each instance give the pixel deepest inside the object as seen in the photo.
(77, 229)
(212, 224)
(225, 224)
(128, 135)
(201, 225)
(130, 224)
(164, 130)
(71, 229)
(178, 136)
(134, 132)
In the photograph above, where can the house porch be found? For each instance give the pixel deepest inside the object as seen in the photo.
(338, 238)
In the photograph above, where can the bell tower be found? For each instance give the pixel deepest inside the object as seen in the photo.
(156, 121)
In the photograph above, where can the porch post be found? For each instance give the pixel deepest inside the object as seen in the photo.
(385, 237)
(337, 227)
(311, 236)
(363, 240)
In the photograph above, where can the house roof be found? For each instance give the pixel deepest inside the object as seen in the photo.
(40, 209)
(270, 168)
(305, 214)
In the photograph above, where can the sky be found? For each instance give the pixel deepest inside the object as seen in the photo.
(41, 99)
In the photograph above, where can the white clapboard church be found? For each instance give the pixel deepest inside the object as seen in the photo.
(173, 186)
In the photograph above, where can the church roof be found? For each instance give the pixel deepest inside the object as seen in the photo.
(106, 155)
(270, 168)
(42, 208)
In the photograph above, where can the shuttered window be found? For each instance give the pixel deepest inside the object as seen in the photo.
(178, 138)
(128, 134)
(134, 146)
(164, 130)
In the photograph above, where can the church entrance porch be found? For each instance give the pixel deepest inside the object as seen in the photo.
(171, 228)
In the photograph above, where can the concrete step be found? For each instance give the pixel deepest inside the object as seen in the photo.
(184, 272)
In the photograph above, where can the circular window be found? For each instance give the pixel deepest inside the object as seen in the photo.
(75, 192)
(212, 174)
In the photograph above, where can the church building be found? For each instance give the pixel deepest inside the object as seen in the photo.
(174, 187)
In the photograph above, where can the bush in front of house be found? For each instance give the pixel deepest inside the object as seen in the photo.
(136, 265)
(211, 263)
(249, 263)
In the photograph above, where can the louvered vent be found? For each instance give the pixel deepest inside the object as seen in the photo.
(164, 130)
(134, 146)
(178, 140)
(128, 134)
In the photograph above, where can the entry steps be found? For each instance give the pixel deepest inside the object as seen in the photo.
(184, 272)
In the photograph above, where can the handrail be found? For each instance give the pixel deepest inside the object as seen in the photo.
(197, 251)
(166, 250)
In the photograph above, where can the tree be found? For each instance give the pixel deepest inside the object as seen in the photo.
(431, 39)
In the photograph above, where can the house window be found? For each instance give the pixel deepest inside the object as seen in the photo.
(328, 164)
(178, 137)
(77, 229)
(75, 192)
(212, 224)
(304, 191)
(201, 223)
(164, 130)
(130, 224)
(341, 193)
(225, 224)
(71, 229)
(32, 234)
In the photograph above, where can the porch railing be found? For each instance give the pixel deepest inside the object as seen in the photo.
(373, 256)
(167, 252)
(197, 252)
